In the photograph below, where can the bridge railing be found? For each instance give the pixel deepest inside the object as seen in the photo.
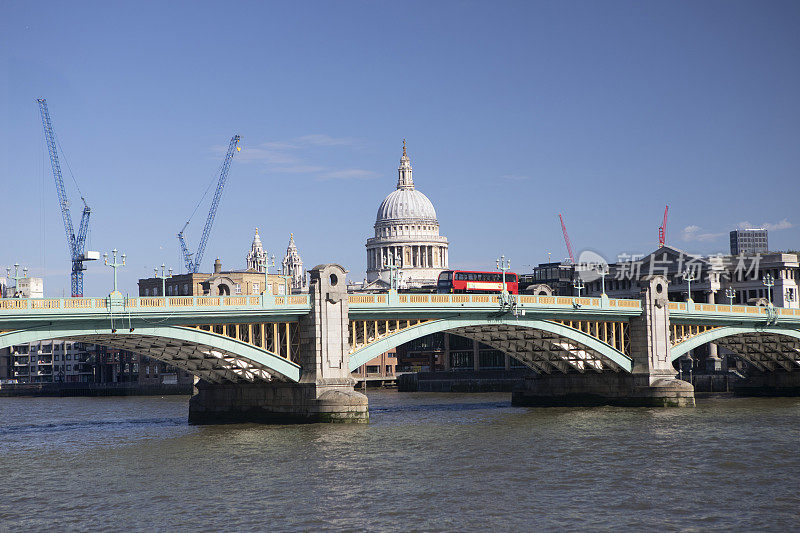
(412, 300)
(749, 310)
(151, 302)
(482, 299)
(433, 300)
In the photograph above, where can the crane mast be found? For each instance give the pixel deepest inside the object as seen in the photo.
(193, 264)
(75, 243)
(566, 239)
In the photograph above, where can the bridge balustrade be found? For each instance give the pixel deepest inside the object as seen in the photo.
(433, 300)
(27, 304)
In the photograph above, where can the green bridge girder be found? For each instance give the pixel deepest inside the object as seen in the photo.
(193, 350)
(724, 332)
(365, 354)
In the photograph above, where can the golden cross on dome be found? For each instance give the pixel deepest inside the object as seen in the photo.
(404, 147)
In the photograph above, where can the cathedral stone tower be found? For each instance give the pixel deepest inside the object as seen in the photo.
(292, 266)
(256, 257)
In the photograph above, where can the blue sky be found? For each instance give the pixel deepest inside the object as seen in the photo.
(514, 112)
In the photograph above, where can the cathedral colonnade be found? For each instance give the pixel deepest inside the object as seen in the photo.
(412, 256)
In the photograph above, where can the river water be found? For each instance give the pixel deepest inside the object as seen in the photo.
(427, 462)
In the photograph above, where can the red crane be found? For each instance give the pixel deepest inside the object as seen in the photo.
(566, 239)
(662, 230)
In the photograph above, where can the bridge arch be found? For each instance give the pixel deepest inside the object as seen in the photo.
(540, 344)
(211, 356)
(766, 347)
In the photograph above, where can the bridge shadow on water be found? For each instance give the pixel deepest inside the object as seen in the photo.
(77, 425)
(428, 407)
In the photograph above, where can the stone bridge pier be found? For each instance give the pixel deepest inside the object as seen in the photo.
(325, 391)
(651, 383)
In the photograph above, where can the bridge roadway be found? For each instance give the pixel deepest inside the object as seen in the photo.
(259, 339)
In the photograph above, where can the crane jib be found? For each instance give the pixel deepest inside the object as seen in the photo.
(193, 265)
(75, 243)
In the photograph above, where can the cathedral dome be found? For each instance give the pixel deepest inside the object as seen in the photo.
(406, 205)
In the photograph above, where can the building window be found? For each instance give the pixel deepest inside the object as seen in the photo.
(237, 289)
(256, 288)
(492, 359)
(68, 357)
(461, 359)
(186, 288)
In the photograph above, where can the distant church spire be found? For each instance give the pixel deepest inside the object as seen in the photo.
(404, 180)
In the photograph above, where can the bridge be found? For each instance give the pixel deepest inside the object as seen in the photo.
(289, 358)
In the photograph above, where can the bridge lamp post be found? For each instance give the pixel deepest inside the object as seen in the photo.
(602, 270)
(393, 273)
(503, 265)
(689, 277)
(163, 277)
(115, 266)
(578, 284)
(264, 263)
(730, 293)
(768, 282)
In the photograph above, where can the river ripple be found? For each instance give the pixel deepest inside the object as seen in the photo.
(428, 462)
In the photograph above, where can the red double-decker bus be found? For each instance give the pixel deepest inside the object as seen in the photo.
(466, 281)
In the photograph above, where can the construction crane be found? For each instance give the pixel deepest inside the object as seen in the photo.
(566, 239)
(662, 230)
(193, 260)
(75, 243)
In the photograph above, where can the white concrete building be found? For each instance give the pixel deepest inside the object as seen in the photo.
(407, 236)
(25, 288)
(30, 288)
